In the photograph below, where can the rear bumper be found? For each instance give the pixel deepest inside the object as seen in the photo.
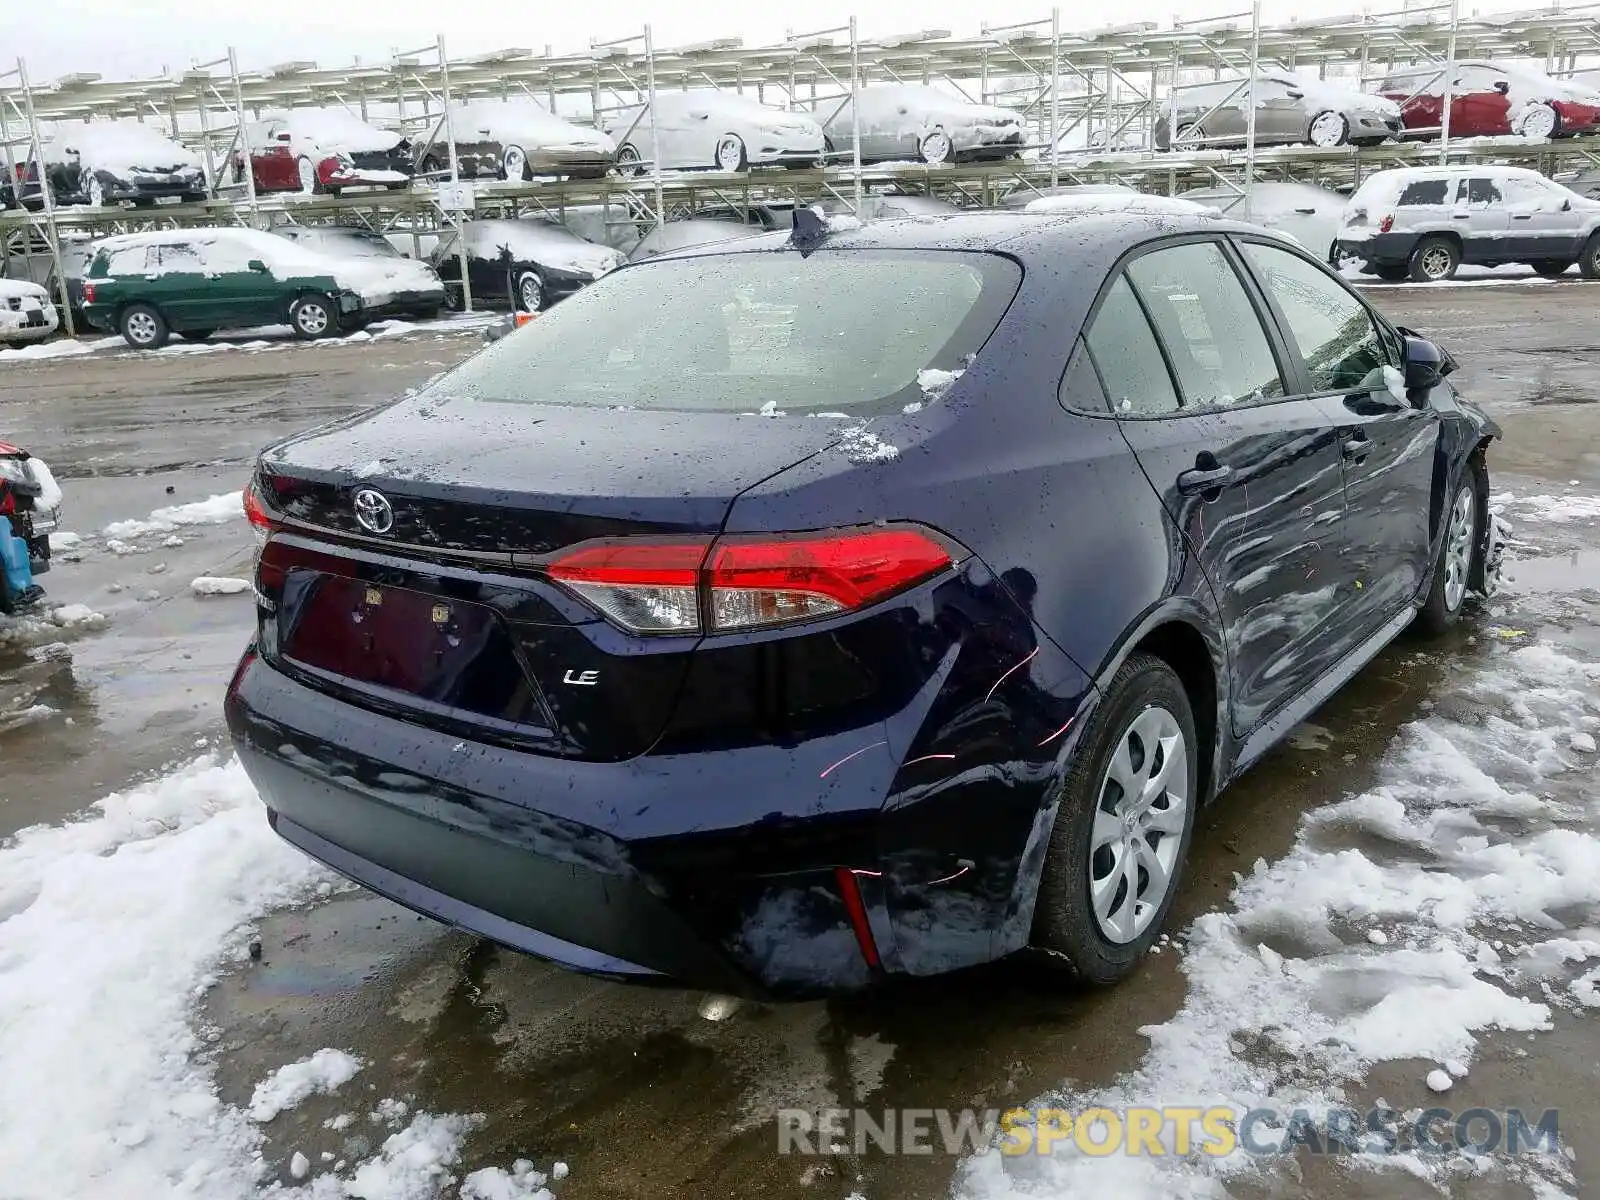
(617, 869)
(1380, 249)
(580, 164)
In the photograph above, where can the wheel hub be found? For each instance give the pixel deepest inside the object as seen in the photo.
(1458, 548)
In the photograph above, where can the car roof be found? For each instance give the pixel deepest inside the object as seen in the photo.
(1089, 237)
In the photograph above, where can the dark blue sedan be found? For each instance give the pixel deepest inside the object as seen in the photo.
(783, 616)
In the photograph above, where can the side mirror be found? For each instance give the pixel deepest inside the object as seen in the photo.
(1297, 95)
(256, 265)
(1426, 364)
(1566, 206)
(1502, 86)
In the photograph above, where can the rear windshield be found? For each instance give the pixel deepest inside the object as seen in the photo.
(841, 331)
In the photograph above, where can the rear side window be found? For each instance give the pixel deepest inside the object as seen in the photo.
(1332, 329)
(128, 260)
(1129, 358)
(179, 256)
(836, 331)
(1426, 191)
(1208, 325)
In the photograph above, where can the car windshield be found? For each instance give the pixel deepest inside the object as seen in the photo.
(351, 244)
(836, 331)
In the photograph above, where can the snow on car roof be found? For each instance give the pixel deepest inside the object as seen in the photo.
(335, 129)
(1118, 202)
(536, 241)
(520, 119)
(114, 144)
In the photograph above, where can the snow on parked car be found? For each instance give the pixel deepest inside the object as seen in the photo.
(193, 282)
(115, 162)
(1492, 98)
(528, 263)
(909, 121)
(417, 289)
(323, 150)
(707, 128)
(26, 314)
(516, 139)
(1309, 215)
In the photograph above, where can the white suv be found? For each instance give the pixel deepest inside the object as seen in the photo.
(1424, 222)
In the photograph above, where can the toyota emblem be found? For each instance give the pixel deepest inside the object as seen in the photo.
(373, 512)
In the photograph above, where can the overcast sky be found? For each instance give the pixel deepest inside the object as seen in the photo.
(137, 38)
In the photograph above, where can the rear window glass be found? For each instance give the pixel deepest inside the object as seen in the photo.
(840, 331)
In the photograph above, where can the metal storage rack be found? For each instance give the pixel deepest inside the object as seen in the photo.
(1106, 84)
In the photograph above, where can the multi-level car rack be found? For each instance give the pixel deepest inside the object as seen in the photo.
(1096, 88)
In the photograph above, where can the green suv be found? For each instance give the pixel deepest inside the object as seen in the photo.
(148, 286)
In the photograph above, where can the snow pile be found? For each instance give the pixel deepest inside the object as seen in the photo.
(49, 498)
(65, 348)
(323, 1073)
(35, 629)
(1290, 1000)
(214, 510)
(214, 585)
(1557, 510)
(413, 1164)
(522, 1182)
(17, 717)
(100, 1095)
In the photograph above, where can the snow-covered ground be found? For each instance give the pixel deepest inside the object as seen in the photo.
(267, 337)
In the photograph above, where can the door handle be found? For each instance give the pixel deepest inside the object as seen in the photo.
(1461, 216)
(1203, 479)
(1522, 216)
(1357, 446)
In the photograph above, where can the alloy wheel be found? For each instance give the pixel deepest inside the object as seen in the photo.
(312, 318)
(628, 160)
(531, 292)
(141, 328)
(936, 148)
(1436, 262)
(308, 176)
(1328, 129)
(1539, 122)
(516, 163)
(730, 153)
(1138, 825)
(97, 193)
(1458, 547)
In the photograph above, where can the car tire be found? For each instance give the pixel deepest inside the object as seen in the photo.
(195, 335)
(313, 317)
(455, 297)
(310, 181)
(1552, 268)
(1434, 259)
(1461, 550)
(1589, 260)
(529, 296)
(97, 192)
(629, 160)
(1540, 121)
(514, 165)
(1328, 129)
(731, 154)
(936, 149)
(143, 327)
(1145, 702)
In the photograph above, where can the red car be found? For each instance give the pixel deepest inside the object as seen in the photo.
(1488, 99)
(324, 151)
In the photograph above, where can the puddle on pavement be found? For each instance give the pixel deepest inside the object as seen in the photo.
(1576, 571)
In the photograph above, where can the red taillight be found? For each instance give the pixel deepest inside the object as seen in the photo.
(1385, 225)
(88, 292)
(748, 581)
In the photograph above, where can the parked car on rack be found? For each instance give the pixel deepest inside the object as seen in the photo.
(416, 289)
(1290, 108)
(118, 162)
(30, 505)
(23, 190)
(1426, 221)
(1025, 196)
(1489, 99)
(662, 689)
(707, 128)
(192, 282)
(323, 150)
(527, 263)
(77, 249)
(26, 313)
(1312, 216)
(516, 139)
(908, 121)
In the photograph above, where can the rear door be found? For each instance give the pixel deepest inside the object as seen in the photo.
(1249, 471)
(1350, 362)
(1480, 216)
(1544, 223)
(179, 286)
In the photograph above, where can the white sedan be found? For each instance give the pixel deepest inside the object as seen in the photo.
(707, 128)
(908, 121)
(26, 314)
